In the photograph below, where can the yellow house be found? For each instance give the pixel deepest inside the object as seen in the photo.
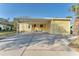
(50, 25)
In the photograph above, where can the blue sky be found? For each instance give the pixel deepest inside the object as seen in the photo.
(35, 10)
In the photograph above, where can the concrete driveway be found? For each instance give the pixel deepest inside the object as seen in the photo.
(37, 44)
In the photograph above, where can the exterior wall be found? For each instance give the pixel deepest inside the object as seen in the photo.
(60, 27)
(76, 26)
(56, 26)
(23, 27)
(45, 27)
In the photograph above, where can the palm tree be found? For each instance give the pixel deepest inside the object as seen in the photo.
(75, 9)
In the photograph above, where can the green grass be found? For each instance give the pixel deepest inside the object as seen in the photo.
(7, 33)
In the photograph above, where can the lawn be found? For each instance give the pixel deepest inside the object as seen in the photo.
(7, 33)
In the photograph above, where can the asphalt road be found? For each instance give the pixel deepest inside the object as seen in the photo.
(36, 44)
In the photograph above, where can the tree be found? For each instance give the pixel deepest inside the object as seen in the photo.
(75, 9)
(69, 17)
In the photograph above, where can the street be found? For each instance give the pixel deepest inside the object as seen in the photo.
(37, 44)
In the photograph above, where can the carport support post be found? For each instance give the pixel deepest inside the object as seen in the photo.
(17, 29)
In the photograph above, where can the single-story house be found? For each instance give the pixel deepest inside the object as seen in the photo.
(50, 25)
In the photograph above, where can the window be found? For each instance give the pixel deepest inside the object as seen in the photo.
(41, 25)
(28, 26)
(34, 25)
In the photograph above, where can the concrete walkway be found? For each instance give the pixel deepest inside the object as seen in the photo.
(37, 44)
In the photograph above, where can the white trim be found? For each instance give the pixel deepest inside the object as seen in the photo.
(61, 18)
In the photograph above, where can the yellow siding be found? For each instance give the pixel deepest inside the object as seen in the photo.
(23, 27)
(53, 26)
(60, 27)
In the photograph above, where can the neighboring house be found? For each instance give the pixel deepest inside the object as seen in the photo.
(76, 26)
(4, 24)
(50, 25)
(1, 27)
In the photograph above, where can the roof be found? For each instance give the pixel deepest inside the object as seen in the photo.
(40, 19)
(32, 19)
(3, 21)
(61, 19)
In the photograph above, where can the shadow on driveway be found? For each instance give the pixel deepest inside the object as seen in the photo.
(30, 39)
